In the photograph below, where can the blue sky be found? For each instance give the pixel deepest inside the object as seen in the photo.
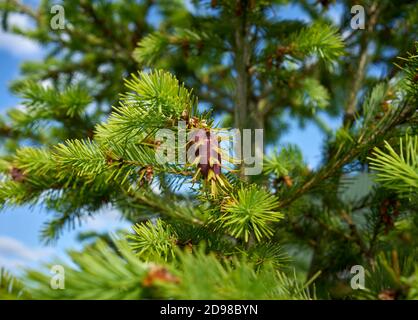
(19, 227)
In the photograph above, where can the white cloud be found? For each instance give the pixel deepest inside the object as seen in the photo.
(107, 220)
(17, 45)
(20, 107)
(47, 83)
(14, 254)
(19, 20)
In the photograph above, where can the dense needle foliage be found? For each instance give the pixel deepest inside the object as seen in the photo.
(86, 139)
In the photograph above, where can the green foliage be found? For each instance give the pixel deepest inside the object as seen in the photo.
(319, 39)
(99, 273)
(205, 277)
(10, 287)
(155, 99)
(250, 212)
(153, 241)
(84, 157)
(158, 44)
(158, 91)
(413, 293)
(45, 102)
(267, 253)
(151, 46)
(390, 277)
(288, 160)
(107, 167)
(223, 235)
(312, 94)
(398, 171)
(411, 68)
(373, 105)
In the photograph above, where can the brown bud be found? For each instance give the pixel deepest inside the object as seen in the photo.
(387, 294)
(159, 274)
(149, 173)
(281, 51)
(385, 105)
(185, 115)
(288, 181)
(187, 245)
(193, 122)
(109, 159)
(17, 174)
